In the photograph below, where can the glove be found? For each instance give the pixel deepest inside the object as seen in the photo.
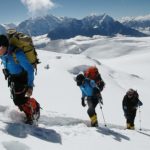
(83, 102)
(29, 91)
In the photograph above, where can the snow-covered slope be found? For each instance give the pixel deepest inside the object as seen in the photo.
(102, 46)
(63, 123)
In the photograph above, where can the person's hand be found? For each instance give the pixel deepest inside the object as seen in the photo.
(29, 91)
(83, 102)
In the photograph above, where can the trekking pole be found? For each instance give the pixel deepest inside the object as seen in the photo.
(140, 118)
(102, 114)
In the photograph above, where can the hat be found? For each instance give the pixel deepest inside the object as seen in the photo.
(4, 41)
(130, 92)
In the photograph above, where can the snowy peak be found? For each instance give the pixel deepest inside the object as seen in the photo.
(92, 25)
(141, 23)
(39, 25)
(138, 18)
(10, 26)
(98, 18)
(2, 29)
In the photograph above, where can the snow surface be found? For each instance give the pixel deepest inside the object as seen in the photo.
(64, 123)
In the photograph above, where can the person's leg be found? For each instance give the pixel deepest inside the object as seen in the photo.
(133, 114)
(128, 123)
(18, 94)
(26, 104)
(130, 120)
(91, 112)
(18, 90)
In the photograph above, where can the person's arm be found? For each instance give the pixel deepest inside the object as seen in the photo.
(23, 61)
(83, 97)
(138, 102)
(124, 104)
(82, 90)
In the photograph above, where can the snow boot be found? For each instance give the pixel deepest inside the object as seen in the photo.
(94, 122)
(129, 126)
(132, 127)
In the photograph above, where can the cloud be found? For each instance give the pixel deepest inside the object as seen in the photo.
(38, 7)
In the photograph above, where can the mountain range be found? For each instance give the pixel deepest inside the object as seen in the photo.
(64, 27)
(92, 25)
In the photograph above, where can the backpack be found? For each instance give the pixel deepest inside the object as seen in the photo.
(22, 41)
(93, 74)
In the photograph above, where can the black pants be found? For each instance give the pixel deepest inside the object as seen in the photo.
(92, 103)
(18, 88)
(130, 117)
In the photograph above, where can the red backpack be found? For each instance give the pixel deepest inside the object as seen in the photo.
(93, 74)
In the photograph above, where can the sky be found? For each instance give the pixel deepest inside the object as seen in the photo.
(19, 10)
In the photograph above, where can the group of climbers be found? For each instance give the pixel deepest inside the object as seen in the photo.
(92, 84)
(19, 72)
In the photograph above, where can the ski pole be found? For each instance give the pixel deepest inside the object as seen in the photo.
(102, 114)
(140, 117)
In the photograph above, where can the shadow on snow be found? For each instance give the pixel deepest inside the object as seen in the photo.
(21, 130)
(116, 135)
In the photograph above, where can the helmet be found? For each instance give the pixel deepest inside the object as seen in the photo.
(79, 79)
